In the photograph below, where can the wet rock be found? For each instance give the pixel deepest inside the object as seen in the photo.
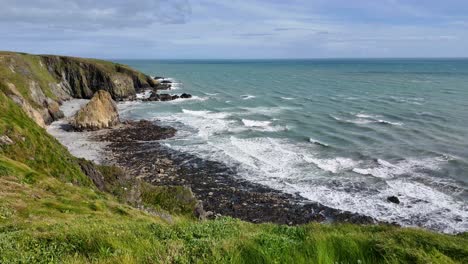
(166, 82)
(101, 112)
(393, 199)
(166, 97)
(186, 96)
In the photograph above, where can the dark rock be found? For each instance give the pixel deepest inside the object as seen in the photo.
(175, 97)
(186, 96)
(93, 173)
(165, 97)
(393, 199)
(166, 82)
(142, 130)
(153, 97)
(158, 78)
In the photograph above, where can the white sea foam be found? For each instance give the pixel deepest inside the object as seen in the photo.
(247, 96)
(318, 142)
(335, 165)
(144, 95)
(181, 100)
(207, 114)
(255, 123)
(408, 166)
(363, 119)
(265, 126)
(78, 143)
(287, 98)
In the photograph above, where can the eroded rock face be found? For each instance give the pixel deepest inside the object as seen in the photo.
(101, 112)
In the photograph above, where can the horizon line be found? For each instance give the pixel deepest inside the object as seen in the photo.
(312, 58)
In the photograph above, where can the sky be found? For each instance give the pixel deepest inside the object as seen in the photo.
(250, 29)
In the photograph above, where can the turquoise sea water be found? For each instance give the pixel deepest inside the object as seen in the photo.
(345, 133)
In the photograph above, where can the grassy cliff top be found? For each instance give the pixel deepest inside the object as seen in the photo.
(50, 212)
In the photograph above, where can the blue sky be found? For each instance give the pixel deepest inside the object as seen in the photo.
(205, 29)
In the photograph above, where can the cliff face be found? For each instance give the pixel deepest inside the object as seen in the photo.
(39, 83)
(82, 77)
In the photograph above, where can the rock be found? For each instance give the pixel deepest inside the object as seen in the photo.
(393, 199)
(100, 112)
(200, 212)
(166, 82)
(153, 97)
(165, 97)
(5, 140)
(34, 114)
(91, 171)
(185, 96)
(54, 109)
(158, 78)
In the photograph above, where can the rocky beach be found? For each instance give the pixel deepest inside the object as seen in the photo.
(136, 147)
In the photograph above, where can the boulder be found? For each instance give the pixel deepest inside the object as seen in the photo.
(393, 199)
(185, 96)
(165, 97)
(5, 140)
(100, 112)
(54, 109)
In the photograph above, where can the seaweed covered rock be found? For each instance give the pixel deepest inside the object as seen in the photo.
(101, 112)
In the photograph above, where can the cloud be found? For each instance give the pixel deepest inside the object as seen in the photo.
(244, 29)
(90, 14)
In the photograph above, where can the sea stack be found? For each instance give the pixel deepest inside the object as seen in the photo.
(101, 112)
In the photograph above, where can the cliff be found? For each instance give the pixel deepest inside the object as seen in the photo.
(39, 83)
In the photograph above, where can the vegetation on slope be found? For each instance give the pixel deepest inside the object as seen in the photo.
(50, 212)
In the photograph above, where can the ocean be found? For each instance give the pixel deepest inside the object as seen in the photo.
(344, 133)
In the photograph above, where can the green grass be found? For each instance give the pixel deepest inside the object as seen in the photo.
(51, 213)
(34, 147)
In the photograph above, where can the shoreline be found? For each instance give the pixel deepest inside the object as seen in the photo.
(135, 146)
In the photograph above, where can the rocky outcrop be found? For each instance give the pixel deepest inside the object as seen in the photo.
(101, 112)
(82, 77)
(167, 97)
(93, 173)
